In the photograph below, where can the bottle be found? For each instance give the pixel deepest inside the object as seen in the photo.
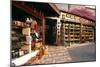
(13, 53)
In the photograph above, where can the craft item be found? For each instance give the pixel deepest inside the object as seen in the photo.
(26, 31)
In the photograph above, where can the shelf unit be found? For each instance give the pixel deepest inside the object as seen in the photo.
(88, 33)
(18, 39)
(79, 29)
(74, 33)
(70, 33)
(65, 33)
(20, 12)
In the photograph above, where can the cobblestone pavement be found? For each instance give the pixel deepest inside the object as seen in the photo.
(62, 54)
(57, 54)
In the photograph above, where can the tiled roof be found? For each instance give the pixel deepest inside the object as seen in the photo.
(81, 10)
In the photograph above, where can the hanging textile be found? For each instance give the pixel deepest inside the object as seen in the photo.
(35, 31)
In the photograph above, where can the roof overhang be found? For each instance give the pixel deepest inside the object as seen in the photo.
(48, 9)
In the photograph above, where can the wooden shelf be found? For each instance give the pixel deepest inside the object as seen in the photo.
(72, 33)
(88, 32)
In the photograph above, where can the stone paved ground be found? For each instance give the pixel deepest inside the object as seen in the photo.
(61, 54)
(86, 52)
(57, 54)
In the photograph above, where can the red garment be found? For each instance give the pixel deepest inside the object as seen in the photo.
(34, 26)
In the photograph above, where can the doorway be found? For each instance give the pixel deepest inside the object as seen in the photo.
(50, 33)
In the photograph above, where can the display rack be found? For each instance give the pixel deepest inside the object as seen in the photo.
(78, 29)
(88, 33)
(73, 33)
(64, 33)
(18, 39)
(70, 33)
(22, 11)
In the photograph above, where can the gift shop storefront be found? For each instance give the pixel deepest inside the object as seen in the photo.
(29, 29)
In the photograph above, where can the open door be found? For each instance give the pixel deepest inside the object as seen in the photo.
(50, 33)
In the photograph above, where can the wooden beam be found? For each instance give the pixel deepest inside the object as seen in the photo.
(54, 8)
(27, 9)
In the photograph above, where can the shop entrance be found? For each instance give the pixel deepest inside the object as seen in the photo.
(50, 33)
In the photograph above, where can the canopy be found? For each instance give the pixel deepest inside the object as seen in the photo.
(87, 11)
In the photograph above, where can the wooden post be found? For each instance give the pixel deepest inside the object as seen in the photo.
(58, 36)
(93, 33)
(69, 34)
(30, 48)
(80, 32)
(43, 30)
(64, 33)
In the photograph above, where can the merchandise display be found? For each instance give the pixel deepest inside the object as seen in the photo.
(24, 37)
(26, 31)
(74, 32)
